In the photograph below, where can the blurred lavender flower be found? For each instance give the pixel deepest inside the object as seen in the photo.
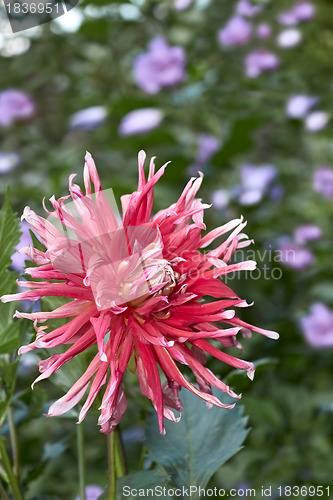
(161, 66)
(92, 492)
(276, 192)
(89, 118)
(304, 10)
(307, 232)
(208, 145)
(25, 240)
(293, 255)
(140, 121)
(289, 38)
(255, 181)
(182, 4)
(236, 32)
(299, 105)
(317, 327)
(260, 60)
(300, 12)
(245, 8)
(15, 105)
(263, 31)
(323, 181)
(220, 199)
(316, 121)
(8, 161)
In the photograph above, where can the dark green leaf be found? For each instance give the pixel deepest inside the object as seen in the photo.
(193, 449)
(9, 233)
(142, 480)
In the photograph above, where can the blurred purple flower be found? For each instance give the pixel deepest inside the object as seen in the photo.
(236, 32)
(289, 38)
(161, 66)
(182, 4)
(323, 181)
(287, 18)
(299, 105)
(208, 145)
(293, 255)
(245, 8)
(220, 199)
(307, 232)
(25, 240)
(255, 181)
(15, 105)
(300, 12)
(89, 118)
(276, 193)
(304, 10)
(263, 31)
(140, 121)
(317, 327)
(260, 60)
(317, 120)
(92, 492)
(8, 161)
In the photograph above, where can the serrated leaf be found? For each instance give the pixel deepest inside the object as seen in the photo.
(143, 480)
(193, 449)
(9, 233)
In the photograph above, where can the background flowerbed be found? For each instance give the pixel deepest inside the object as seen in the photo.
(241, 92)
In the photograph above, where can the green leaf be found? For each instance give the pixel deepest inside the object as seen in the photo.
(7, 384)
(9, 338)
(9, 233)
(193, 449)
(143, 480)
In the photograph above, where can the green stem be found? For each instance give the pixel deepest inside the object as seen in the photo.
(11, 477)
(13, 440)
(111, 466)
(119, 455)
(81, 460)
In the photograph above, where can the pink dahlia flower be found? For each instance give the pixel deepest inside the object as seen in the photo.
(136, 290)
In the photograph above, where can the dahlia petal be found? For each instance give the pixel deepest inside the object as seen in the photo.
(226, 358)
(149, 380)
(206, 375)
(67, 402)
(111, 416)
(56, 361)
(216, 233)
(70, 309)
(268, 333)
(170, 369)
(92, 171)
(212, 287)
(101, 326)
(37, 256)
(141, 161)
(170, 391)
(98, 382)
